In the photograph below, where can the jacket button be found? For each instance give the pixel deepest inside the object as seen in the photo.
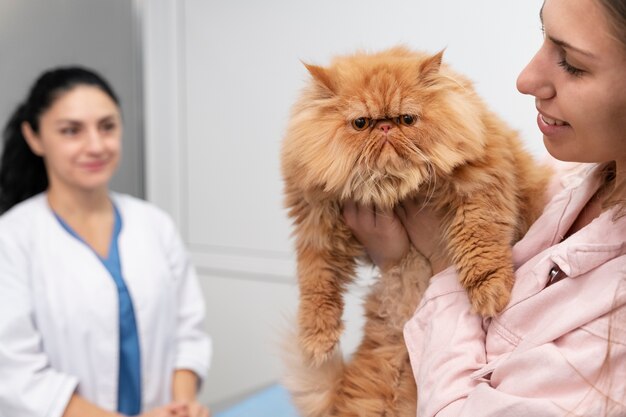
(554, 271)
(555, 275)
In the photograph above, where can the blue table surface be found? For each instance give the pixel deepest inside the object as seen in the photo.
(273, 401)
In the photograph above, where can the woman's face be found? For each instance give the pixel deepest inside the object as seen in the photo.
(79, 138)
(578, 78)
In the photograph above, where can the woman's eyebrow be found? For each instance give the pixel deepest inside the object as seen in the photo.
(107, 118)
(70, 121)
(111, 116)
(566, 45)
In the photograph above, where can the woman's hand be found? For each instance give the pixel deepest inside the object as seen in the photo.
(381, 233)
(175, 409)
(197, 410)
(423, 227)
(184, 388)
(386, 236)
(179, 409)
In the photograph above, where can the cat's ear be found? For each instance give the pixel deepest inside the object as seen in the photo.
(430, 66)
(321, 76)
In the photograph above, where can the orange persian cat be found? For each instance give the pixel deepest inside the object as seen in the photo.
(377, 129)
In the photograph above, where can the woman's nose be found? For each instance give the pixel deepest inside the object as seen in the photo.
(95, 141)
(535, 79)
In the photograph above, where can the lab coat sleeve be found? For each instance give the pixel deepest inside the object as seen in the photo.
(446, 344)
(193, 344)
(29, 387)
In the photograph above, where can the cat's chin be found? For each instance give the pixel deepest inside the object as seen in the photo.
(388, 156)
(383, 189)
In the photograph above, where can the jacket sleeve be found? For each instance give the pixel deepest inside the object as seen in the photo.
(193, 344)
(446, 344)
(29, 387)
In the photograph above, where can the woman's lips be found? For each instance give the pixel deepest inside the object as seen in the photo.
(550, 126)
(94, 166)
(552, 122)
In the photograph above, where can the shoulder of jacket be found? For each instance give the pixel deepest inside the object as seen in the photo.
(22, 225)
(23, 215)
(138, 212)
(130, 204)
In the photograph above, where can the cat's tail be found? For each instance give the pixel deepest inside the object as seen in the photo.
(312, 387)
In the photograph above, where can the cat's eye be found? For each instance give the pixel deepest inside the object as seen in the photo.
(361, 123)
(407, 119)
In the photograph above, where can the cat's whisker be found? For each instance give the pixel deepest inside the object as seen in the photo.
(431, 179)
(432, 183)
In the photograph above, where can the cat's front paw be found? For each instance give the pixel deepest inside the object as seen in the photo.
(320, 329)
(491, 293)
(319, 348)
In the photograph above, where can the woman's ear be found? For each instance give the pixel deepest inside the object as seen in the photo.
(33, 141)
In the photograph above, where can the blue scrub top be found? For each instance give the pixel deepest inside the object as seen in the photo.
(129, 382)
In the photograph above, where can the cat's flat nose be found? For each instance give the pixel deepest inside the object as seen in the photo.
(385, 127)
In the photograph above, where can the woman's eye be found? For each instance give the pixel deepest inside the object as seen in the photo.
(361, 123)
(408, 119)
(570, 69)
(69, 131)
(108, 127)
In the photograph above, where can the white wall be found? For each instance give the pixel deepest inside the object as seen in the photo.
(220, 80)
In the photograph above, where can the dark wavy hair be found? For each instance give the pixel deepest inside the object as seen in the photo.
(22, 173)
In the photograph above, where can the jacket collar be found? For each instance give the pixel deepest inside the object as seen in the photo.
(593, 245)
(537, 314)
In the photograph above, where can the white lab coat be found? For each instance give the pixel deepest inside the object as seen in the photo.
(59, 310)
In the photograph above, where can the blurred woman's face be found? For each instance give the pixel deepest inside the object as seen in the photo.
(579, 83)
(79, 138)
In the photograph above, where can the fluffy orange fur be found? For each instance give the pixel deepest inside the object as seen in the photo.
(442, 146)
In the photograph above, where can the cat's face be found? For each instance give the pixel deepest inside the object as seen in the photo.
(376, 128)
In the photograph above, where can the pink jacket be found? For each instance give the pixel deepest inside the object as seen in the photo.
(547, 353)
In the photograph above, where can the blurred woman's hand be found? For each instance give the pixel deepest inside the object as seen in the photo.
(197, 410)
(175, 409)
(380, 232)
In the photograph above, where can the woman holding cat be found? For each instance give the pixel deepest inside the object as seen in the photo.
(100, 311)
(559, 347)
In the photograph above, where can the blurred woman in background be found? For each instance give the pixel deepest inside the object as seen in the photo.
(101, 313)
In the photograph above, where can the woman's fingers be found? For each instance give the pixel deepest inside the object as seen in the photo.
(424, 228)
(379, 231)
(179, 409)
